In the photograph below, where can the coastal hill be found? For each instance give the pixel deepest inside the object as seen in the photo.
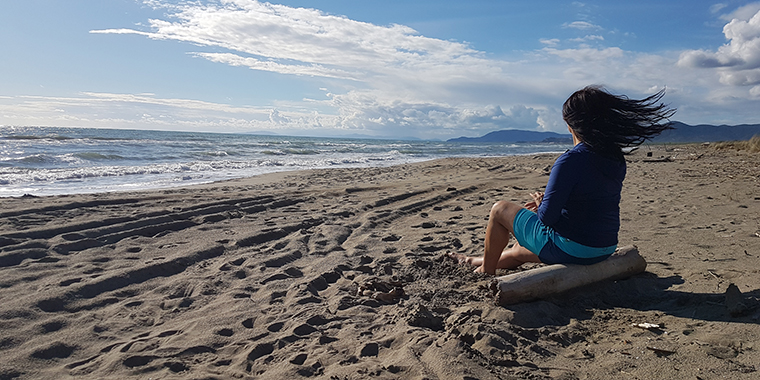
(684, 133)
(681, 133)
(516, 135)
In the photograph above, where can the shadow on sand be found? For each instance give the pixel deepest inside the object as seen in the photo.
(644, 292)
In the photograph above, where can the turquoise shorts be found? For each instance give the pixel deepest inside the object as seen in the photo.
(550, 247)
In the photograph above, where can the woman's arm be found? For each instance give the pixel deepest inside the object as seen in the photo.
(533, 205)
(564, 175)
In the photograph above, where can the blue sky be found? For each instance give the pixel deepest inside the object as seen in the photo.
(427, 69)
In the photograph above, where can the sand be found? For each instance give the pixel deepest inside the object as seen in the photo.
(343, 274)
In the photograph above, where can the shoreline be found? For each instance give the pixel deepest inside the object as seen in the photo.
(245, 177)
(341, 273)
(93, 161)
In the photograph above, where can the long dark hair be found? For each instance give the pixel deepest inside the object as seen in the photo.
(607, 122)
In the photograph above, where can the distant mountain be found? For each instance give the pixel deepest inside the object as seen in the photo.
(681, 133)
(516, 135)
(684, 133)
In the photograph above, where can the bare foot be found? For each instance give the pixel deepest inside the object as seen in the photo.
(463, 259)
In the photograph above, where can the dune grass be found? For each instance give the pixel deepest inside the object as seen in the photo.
(752, 145)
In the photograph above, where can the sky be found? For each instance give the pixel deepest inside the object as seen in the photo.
(430, 69)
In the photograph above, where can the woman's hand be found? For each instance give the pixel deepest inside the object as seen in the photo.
(537, 198)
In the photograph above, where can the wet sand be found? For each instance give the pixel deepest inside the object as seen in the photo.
(343, 274)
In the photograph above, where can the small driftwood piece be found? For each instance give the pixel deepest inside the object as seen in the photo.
(659, 159)
(553, 279)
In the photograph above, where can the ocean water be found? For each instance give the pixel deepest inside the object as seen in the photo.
(53, 161)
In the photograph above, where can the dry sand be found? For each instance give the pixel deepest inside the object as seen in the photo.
(341, 274)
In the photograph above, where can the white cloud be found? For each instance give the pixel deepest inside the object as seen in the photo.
(131, 111)
(737, 62)
(582, 25)
(744, 12)
(590, 37)
(588, 54)
(290, 40)
(425, 76)
(121, 31)
(390, 80)
(257, 64)
(551, 42)
(372, 111)
(715, 8)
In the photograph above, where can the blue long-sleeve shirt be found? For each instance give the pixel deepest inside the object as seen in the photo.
(582, 198)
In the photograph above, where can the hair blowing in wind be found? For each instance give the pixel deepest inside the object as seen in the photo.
(608, 122)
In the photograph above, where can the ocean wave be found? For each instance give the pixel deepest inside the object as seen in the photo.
(19, 175)
(92, 156)
(301, 151)
(218, 153)
(35, 159)
(291, 151)
(49, 160)
(31, 137)
(95, 138)
(23, 137)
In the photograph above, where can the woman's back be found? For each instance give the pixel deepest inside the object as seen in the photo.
(582, 197)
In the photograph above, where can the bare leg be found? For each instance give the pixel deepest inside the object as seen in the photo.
(516, 256)
(498, 231)
(510, 258)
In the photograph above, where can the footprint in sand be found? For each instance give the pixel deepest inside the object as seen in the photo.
(323, 281)
(225, 332)
(138, 361)
(262, 349)
(299, 359)
(283, 260)
(288, 273)
(392, 237)
(166, 333)
(304, 330)
(238, 262)
(324, 339)
(370, 349)
(69, 281)
(56, 350)
(276, 297)
(52, 326)
(318, 320)
(307, 300)
(275, 327)
(248, 323)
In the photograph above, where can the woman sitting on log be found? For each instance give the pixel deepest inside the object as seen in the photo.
(576, 220)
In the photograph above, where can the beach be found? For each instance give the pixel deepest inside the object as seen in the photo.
(343, 274)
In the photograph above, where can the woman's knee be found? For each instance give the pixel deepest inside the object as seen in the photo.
(505, 211)
(499, 206)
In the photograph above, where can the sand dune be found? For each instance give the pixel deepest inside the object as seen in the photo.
(341, 274)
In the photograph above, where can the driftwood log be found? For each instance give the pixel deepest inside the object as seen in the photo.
(553, 279)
